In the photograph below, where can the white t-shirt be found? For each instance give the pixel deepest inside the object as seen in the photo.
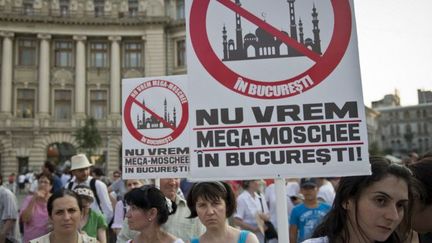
(248, 207)
(327, 193)
(317, 240)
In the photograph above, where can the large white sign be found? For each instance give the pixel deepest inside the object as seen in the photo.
(155, 120)
(275, 89)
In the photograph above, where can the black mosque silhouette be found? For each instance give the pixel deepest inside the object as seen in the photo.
(262, 45)
(152, 122)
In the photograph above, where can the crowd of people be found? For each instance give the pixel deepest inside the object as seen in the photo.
(393, 205)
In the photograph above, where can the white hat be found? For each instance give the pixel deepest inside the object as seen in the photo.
(84, 191)
(80, 161)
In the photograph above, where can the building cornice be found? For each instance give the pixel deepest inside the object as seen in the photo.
(104, 21)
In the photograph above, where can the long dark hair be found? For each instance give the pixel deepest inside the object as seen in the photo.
(335, 224)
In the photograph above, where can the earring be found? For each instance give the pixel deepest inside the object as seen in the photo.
(149, 219)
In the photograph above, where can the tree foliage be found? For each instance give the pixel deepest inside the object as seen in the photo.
(88, 137)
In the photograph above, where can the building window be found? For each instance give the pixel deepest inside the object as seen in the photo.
(98, 104)
(63, 53)
(27, 52)
(133, 53)
(181, 53)
(25, 103)
(99, 54)
(28, 7)
(180, 8)
(99, 7)
(64, 7)
(62, 104)
(133, 7)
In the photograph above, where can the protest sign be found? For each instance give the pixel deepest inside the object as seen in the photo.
(155, 119)
(275, 89)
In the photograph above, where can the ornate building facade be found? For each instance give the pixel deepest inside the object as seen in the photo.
(401, 129)
(62, 61)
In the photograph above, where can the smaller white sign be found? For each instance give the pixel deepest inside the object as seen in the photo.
(155, 121)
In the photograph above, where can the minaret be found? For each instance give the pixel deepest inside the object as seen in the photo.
(143, 113)
(165, 110)
(239, 34)
(301, 31)
(175, 117)
(224, 43)
(317, 42)
(293, 26)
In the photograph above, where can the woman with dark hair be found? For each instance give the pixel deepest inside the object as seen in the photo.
(65, 211)
(213, 203)
(148, 211)
(370, 208)
(422, 211)
(33, 212)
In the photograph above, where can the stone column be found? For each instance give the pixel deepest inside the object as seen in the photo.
(44, 77)
(80, 76)
(6, 74)
(155, 52)
(115, 101)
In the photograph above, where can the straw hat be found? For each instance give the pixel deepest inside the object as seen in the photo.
(80, 161)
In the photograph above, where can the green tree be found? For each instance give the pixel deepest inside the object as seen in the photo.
(88, 137)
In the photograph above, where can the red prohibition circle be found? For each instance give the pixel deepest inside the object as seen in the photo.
(128, 114)
(227, 77)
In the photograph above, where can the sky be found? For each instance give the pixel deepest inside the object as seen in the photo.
(395, 46)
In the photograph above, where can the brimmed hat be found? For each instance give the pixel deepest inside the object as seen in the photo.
(308, 182)
(80, 161)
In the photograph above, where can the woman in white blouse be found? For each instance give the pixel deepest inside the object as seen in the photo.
(250, 206)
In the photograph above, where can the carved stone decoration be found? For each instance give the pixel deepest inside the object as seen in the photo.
(37, 4)
(73, 5)
(18, 3)
(123, 6)
(89, 6)
(55, 4)
(62, 76)
(108, 6)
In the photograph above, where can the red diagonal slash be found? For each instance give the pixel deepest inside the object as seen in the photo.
(167, 124)
(271, 30)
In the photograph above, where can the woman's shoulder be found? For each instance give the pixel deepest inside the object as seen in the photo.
(42, 239)
(317, 240)
(247, 237)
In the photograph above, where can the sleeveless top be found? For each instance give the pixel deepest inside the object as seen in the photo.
(242, 237)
